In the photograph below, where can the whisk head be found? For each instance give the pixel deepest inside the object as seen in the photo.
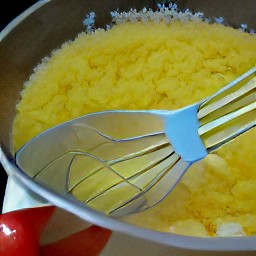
(120, 175)
(122, 169)
(120, 162)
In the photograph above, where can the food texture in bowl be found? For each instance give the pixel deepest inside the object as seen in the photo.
(165, 59)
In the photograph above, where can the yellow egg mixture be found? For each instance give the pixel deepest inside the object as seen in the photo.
(155, 66)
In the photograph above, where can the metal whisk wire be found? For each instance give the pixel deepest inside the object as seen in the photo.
(232, 106)
(139, 179)
(120, 162)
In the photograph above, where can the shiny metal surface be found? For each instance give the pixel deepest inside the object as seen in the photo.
(229, 113)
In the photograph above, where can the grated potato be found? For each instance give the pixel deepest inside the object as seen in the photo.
(155, 66)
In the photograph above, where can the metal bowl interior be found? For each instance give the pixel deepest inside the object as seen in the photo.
(46, 26)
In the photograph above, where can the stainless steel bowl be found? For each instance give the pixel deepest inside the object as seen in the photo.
(44, 27)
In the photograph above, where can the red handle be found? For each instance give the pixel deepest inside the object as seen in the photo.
(20, 233)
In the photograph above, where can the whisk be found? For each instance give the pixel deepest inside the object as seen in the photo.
(120, 162)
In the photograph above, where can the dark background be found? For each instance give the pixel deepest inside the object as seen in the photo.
(8, 11)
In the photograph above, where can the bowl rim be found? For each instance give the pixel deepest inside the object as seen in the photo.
(246, 243)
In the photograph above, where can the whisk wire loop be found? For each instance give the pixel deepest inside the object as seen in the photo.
(120, 162)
